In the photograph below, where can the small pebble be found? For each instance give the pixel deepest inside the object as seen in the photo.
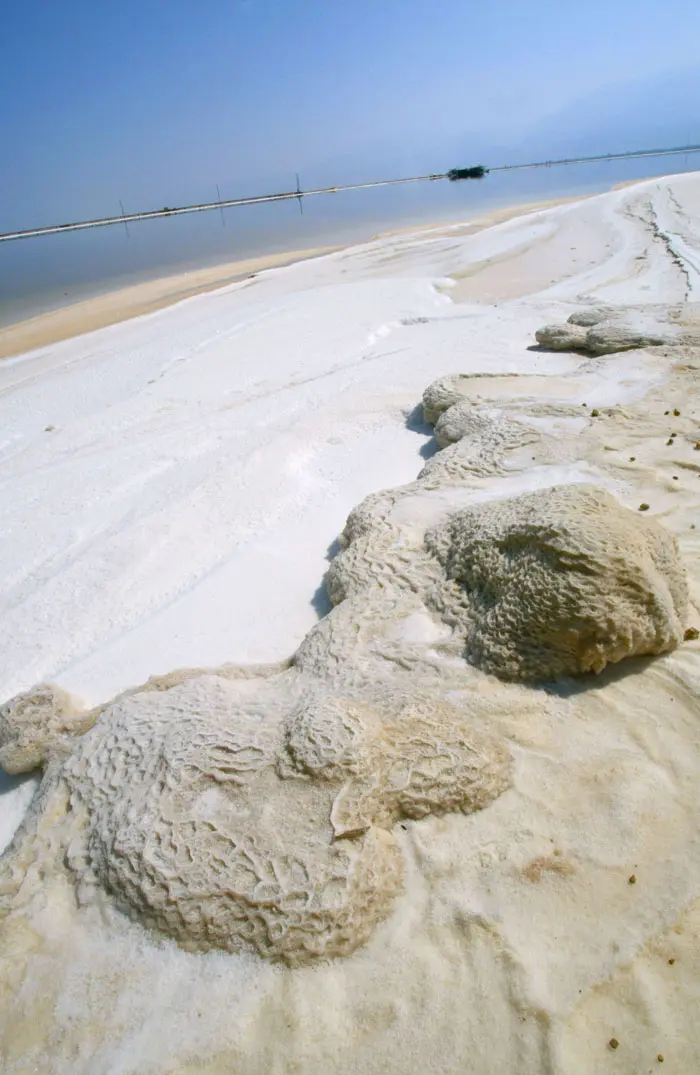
(670, 440)
(632, 458)
(675, 477)
(667, 412)
(676, 412)
(632, 879)
(595, 413)
(613, 1043)
(643, 507)
(690, 634)
(697, 446)
(660, 1058)
(671, 962)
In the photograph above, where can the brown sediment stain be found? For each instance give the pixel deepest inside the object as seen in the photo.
(538, 867)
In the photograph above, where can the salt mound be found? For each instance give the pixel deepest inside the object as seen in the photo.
(559, 582)
(463, 420)
(608, 337)
(488, 429)
(591, 316)
(443, 394)
(562, 337)
(456, 388)
(608, 330)
(603, 338)
(256, 813)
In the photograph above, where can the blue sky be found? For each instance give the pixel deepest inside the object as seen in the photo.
(156, 102)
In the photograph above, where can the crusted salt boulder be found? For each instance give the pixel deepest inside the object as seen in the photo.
(466, 389)
(476, 441)
(559, 582)
(464, 420)
(562, 337)
(607, 330)
(35, 723)
(591, 316)
(255, 814)
(609, 337)
(604, 338)
(488, 427)
(443, 394)
(199, 819)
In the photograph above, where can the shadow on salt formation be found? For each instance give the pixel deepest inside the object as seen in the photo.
(320, 601)
(543, 349)
(415, 421)
(569, 687)
(9, 783)
(16, 794)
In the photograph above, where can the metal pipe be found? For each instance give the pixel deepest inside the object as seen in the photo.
(153, 214)
(259, 199)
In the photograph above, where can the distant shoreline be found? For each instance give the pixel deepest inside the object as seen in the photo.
(136, 300)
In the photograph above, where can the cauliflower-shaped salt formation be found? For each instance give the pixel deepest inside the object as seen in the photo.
(559, 582)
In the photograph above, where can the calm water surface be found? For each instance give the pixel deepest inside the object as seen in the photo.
(45, 273)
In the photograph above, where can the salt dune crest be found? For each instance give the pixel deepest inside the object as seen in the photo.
(480, 872)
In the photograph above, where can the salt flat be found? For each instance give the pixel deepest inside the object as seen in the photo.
(173, 488)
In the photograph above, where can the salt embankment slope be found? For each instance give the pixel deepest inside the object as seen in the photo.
(179, 512)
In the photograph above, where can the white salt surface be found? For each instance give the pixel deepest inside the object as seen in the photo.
(201, 462)
(172, 484)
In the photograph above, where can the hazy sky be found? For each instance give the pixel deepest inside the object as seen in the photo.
(155, 102)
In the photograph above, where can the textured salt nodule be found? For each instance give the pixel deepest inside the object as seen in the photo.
(464, 420)
(587, 318)
(608, 330)
(32, 723)
(445, 393)
(559, 582)
(231, 815)
(607, 339)
(562, 338)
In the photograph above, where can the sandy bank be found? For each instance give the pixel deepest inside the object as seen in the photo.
(134, 301)
(143, 298)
